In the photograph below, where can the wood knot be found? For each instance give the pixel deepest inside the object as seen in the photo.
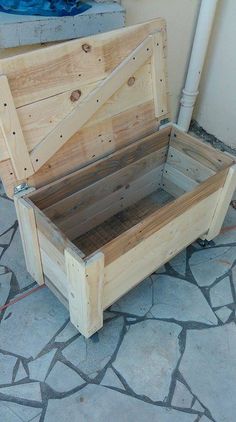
(75, 95)
(86, 47)
(131, 81)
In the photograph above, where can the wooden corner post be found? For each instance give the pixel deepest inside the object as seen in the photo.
(85, 291)
(29, 236)
(222, 204)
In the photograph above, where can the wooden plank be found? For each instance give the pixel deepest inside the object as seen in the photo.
(89, 145)
(87, 108)
(8, 177)
(79, 222)
(172, 188)
(188, 166)
(67, 66)
(38, 119)
(160, 218)
(199, 151)
(68, 185)
(159, 75)
(4, 154)
(221, 209)
(51, 231)
(83, 198)
(29, 236)
(53, 262)
(121, 222)
(56, 292)
(85, 291)
(12, 133)
(174, 177)
(153, 251)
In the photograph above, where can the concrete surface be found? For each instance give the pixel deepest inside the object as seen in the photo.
(166, 352)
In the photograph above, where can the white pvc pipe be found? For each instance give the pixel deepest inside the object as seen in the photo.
(199, 49)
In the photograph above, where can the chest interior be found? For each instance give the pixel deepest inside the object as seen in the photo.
(98, 204)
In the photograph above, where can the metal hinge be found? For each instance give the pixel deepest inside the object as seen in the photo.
(21, 188)
(164, 122)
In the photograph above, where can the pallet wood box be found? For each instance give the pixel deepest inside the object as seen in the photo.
(105, 191)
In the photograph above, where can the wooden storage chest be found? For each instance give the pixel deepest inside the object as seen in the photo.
(105, 189)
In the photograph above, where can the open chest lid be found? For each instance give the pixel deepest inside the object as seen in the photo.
(65, 106)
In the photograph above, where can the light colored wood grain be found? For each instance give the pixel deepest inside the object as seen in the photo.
(160, 218)
(199, 151)
(12, 133)
(121, 222)
(76, 223)
(85, 281)
(41, 85)
(159, 75)
(155, 250)
(90, 105)
(40, 118)
(80, 179)
(53, 263)
(89, 145)
(221, 209)
(84, 198)
(51, 231)
(188, 166)
(56, 292)
(175, 182)
(49, 71)
(8, 177)
(29, 236)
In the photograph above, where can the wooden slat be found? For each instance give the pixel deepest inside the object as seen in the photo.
(87, 108)
(79, 222)
(89, 145)
(53, 262)
(225, 197)
(51, 231)
(121, 222)
(159, 75)
(84, 198)
(172, 188)
(8, 177)
(41, 84)
(199, 151)
(29, 236)
(173, 179)
(56, 292)
(157, 248)
(85, 281)
(12, 133)
(162, 217)
(188, 166)
(60, 189)
(59, 68)
(40, 118)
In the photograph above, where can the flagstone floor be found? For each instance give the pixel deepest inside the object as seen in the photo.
(167, 351)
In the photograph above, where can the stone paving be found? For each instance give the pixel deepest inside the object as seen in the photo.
(166, 352)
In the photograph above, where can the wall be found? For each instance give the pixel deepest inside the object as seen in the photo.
(216, 106)
(181, 18)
